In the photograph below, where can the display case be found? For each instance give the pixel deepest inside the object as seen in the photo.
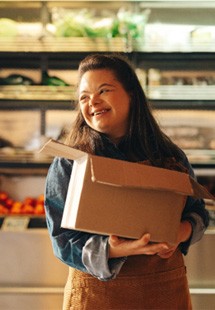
(171, 44)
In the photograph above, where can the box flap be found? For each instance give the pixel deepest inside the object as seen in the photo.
(200, 191)
(55, 148)
(120, 173)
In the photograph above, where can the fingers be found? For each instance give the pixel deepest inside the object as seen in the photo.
(126, 247)
(144, 239)
(113, 240)
(168, 252)
(152, 249)
(165, 255)
(144, 246)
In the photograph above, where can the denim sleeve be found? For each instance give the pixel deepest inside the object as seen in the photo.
(195, 213)
(71, 246)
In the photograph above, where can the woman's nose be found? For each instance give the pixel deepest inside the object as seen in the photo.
(94, 100)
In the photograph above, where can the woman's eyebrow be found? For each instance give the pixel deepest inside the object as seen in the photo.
(106, 84)
(100, 86)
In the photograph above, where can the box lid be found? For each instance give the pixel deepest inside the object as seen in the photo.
(55, 148)
(122, 173)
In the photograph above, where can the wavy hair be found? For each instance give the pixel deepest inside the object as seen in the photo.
(144, 135)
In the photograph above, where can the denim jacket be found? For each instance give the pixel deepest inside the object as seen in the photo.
(89, 252)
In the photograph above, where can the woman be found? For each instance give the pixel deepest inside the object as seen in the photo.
(114, 120)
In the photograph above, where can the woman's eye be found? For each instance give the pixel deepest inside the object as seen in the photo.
(83, 98)
(103, 91)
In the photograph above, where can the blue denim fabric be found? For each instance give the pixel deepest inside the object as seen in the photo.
(67, 244)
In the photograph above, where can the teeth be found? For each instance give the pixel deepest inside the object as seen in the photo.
(99, 112)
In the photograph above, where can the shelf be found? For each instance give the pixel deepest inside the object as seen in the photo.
(37, 97)
(46, 44)
(24, 168)
(37, 104)
(182, 92)
(68, 93)
(37, 93)
(74, 44)
(59, 290)
(201, 158)
(35, 222)
(203, 161)
(64, 97)
(147, 3)
(183, 105)
(200, 291)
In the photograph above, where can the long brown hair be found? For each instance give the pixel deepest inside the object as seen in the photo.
(144, 135)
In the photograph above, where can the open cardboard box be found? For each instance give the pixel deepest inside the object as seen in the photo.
(109, 196)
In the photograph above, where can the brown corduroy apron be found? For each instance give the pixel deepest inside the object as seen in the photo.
(145, 282)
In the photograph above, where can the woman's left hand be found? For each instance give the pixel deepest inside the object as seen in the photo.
(184, 233)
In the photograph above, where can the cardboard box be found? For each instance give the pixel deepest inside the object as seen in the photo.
(109, 196)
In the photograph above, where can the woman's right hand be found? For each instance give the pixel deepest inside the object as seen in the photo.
(119, 247)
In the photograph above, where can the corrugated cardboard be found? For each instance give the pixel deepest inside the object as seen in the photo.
(109, 196)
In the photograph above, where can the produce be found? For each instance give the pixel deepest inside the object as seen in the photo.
(16, 79)
(99, 27)
(84, 23)
(8, 27)
(69, 28)
(70, 24)
(132, 24)
(87, 23)
(30, 205)
(52, 80)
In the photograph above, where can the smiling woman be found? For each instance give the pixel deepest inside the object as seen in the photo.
(107, 272)
(104, 104)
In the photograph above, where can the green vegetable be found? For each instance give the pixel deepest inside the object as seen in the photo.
(52, 80)
(16, 79)
(8, 27)
(69, 29)
(99, 27)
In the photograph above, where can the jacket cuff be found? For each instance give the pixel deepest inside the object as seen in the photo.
(95, 259)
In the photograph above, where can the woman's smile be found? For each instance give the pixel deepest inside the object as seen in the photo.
(100, 112)
(104, 103)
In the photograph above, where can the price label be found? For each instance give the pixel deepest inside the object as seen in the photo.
(15, 223)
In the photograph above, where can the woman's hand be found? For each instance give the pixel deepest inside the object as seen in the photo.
(184, 233)
(125, 247)
(119, 247)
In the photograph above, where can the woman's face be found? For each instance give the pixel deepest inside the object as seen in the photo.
(104, 103)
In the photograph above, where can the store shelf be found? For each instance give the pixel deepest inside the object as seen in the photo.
(22, 162)
(203, 162)
(147, 3)
(46, 44)
(64, 97)
(33, 169)
(187, 97)
(24, 166)
(74, 44)
(175, 4)
(34, 222)
(23, 97)
(68, 93)
(182, 92)
(37, 93)
(183, 104)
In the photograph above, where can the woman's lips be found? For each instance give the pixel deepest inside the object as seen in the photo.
(99, 112)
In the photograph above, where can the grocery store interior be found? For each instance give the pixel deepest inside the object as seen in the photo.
(171, 44)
